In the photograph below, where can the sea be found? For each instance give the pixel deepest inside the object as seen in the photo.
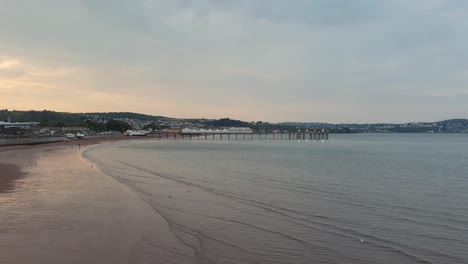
(358, 198)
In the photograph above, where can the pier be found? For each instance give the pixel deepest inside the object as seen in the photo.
(307, 135)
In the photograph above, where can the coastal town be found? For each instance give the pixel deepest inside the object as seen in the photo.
(13, 124)
(445, 126)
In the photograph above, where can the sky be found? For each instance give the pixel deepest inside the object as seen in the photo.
(271, 60)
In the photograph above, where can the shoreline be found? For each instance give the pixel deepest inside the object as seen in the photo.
(31, 141)
(67, 142)
(12, 170)
(56, 207)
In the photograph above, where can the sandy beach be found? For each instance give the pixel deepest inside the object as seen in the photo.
(55, 207)
(12, 171)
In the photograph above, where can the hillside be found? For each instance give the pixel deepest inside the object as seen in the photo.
(137, 121)
(69, 118)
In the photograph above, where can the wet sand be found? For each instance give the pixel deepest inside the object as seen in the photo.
(64, 210)
(8, 174)
(11, 172)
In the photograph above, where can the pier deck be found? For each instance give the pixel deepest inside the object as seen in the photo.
(244, 136)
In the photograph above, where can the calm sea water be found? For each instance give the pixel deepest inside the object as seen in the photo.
(374, 198)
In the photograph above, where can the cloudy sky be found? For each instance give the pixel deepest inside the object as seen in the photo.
(273, 60)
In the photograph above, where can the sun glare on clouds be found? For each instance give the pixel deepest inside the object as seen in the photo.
(324, 60)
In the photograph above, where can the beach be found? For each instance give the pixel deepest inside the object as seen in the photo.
(227, 201)
(12, 171)
(55, 207)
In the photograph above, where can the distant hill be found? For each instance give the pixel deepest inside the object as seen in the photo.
(41, 116)
(129, 115)
(446, 126)
(52, 116)
(92, 120)
(227, 122)
(312, 125)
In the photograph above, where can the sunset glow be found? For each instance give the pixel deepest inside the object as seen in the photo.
(336, 61)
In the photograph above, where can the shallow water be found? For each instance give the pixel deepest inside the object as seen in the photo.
(376, 198)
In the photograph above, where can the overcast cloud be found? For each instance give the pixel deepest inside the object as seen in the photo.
(302, 60)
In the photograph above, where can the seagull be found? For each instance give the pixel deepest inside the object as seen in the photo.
(361, 240)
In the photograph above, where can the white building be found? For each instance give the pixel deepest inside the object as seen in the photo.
(232, 130)
(240, 130)
(22, 125)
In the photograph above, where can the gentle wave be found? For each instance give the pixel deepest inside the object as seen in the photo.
(230, 204)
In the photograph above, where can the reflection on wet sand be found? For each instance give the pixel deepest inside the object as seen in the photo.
(65, 211)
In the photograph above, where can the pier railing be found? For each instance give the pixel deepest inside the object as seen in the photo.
(322, 135)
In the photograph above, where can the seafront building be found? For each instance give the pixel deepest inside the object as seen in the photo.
(69, 129)
(232, 130)
(22, 125)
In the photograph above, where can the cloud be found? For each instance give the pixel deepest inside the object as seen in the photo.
(9, 64)
(243, 59)
(10, 68)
